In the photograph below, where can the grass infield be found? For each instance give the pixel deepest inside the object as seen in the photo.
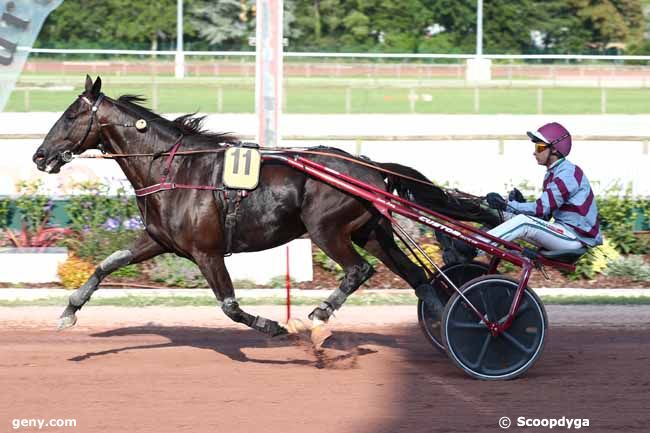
(332, 96)
(358, 300)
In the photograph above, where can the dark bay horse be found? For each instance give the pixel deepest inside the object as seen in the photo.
(190, 222)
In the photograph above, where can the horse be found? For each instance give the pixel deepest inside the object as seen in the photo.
(192, 222)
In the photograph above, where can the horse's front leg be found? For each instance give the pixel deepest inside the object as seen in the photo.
(215, 272)
(143, 249)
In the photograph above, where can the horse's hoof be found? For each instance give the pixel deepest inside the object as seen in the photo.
(66, 322)
(319, 334)
(279, 330)
(296, 326)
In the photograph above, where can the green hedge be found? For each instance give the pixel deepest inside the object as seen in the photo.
(621, 215)
(105, 223)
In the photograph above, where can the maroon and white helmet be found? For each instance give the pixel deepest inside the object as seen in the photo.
(555, 135)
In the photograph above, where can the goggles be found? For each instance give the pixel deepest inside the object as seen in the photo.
(540, 146)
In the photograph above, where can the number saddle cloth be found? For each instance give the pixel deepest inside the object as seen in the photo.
(241, 173)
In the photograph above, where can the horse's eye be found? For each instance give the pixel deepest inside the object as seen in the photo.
(71, 116)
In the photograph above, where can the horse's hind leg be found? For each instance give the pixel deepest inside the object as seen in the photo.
(215, 272)
(378, 240)
(376, 237)
(338, 246)
(143, 249)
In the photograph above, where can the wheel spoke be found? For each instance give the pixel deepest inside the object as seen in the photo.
(516, 343)
(466, 325)
(487, 305)
(523, 307)
(483, 352)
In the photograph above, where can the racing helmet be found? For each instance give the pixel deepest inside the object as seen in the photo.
(555, 135)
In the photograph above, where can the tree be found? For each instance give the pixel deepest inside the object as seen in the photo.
(223, 21)
(144, 21)
(572, 26)
(402, 23)
(632, 14)
(111, 23)
(506, 24)
(357, 26)
(320, 23)
(229, 23)
(565, 26)
(458, 18)
(74, 25)
(361, 25)
(560, 26)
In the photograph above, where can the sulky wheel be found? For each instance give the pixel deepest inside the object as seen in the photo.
(471, 346)
(459, 274)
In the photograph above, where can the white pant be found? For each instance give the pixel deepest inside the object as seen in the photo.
(536, 231)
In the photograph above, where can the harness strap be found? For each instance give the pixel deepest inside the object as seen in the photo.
(170, 158)
(232, 202)
(163, 185)
(231, 205)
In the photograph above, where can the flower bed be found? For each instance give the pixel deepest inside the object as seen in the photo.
(99, 224)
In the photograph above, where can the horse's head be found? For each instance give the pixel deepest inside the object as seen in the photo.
(76, 130)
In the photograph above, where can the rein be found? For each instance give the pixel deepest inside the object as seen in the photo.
(267, 150)
(164, 185)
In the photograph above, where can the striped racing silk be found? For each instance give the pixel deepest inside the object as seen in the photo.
(568, 198)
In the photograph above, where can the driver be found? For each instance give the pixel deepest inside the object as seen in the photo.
(566, 197)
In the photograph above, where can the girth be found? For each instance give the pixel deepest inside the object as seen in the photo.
(231, 201)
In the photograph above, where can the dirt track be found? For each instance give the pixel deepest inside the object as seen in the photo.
(189, 369)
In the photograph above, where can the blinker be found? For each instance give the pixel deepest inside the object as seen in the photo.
(141, 125)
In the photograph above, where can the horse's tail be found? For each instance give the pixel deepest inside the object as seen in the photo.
(424, 194)
(434, 197)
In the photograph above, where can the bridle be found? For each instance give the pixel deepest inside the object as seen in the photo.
(66, 155)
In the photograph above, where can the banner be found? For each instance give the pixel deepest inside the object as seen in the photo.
(20, 22)
(268, 71)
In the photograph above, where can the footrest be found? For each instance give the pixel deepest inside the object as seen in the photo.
(564, 256)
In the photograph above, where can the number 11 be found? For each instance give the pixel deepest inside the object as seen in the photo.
(247, 168)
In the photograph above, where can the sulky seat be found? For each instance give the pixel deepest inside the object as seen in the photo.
(564, 256)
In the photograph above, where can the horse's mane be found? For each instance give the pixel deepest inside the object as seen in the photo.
(190, 125)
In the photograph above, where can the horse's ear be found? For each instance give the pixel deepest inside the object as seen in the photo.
(89, 83)
(97, 87)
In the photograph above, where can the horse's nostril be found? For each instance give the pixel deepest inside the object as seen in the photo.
(39, 155)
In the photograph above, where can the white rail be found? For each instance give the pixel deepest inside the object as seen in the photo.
(353, 137)
(340, 55)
